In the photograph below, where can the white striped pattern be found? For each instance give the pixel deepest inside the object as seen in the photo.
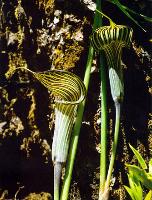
(69, 91)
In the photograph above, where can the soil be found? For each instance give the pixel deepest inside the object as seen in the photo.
(44, 35)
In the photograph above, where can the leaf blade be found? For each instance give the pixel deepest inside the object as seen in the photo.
(139, 157)
(149, 195)
(146, 18)
(130, 192)
(150, 166)
(122, 8)
(141, 175)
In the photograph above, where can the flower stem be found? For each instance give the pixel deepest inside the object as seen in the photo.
(110, 20)
(103, 154)
(57, 176)
(115, 142)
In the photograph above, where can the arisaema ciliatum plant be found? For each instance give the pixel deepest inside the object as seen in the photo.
(69, 91)
(111, 40)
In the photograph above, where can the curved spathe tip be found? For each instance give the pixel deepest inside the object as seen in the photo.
(65, 86)
(105, 36)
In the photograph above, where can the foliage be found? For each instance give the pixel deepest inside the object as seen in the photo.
(127, 12)
(138, 177)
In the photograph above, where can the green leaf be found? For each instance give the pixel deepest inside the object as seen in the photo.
(146, 18)
(135, 186)
(135, 190)
(150, 166)
(141, 175)
(123, 9)
(149, 195)
(130, 191)
(139, 157)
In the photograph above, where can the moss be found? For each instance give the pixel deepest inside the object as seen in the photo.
(41, 196)
(46, 5)
(15, 60)
(75, 192)
(66, 59)
(31, 115)
(10, 123)
(20, 16)
(35, 136)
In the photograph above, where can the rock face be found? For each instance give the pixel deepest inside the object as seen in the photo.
(48, 34)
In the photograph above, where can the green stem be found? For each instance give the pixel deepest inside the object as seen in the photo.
(115, 142)
(57, 176)
(103, 154)
(77, 126)
(76, 132)
(110, 20)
